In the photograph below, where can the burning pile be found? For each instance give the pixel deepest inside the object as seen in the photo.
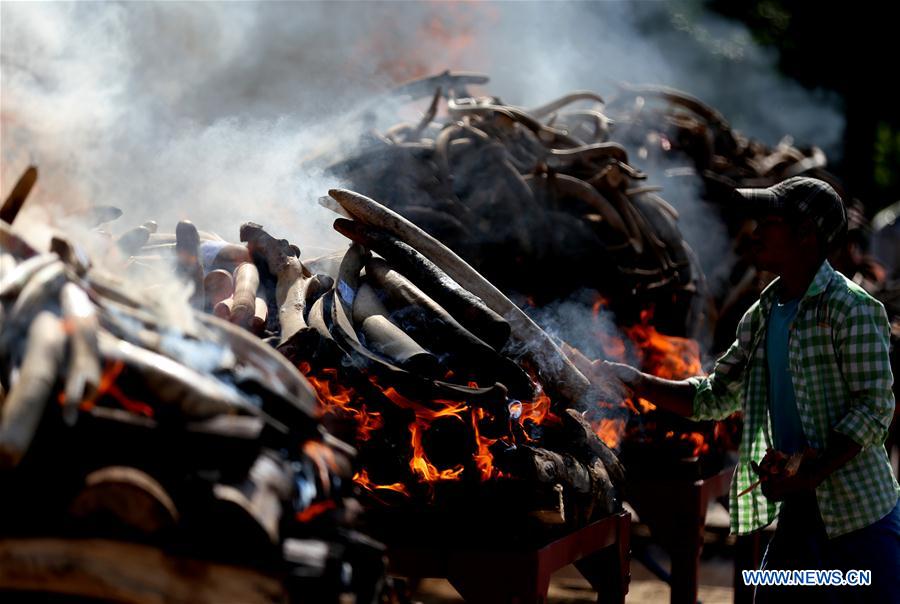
(418, 353)
(414, 357)
(663, 122)
(520, 193)
(545, 191)
(122, 420)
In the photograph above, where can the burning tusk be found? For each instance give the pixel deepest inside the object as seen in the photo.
(217, 286)
(570, 185)
(416, 132)
(558, 374)
(16, 198)
(246, 284)
(28, 397)
(380, 335)
(81, 323)
(12, 282)
(557, 104)
(132, 241)
(187, 245)
(563, 157)
(464, 306)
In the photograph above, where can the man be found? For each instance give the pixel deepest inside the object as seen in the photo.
(811, 372)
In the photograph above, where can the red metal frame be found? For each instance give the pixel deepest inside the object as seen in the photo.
(675, 512)
(504, 575)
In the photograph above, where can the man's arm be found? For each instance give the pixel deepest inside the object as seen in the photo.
(863, 352)
(676, 396)
(715, 396)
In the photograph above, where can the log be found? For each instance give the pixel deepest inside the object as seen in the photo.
(380, 335)
(123, 502)
(427, 322)
(246, 284)
(217, 286)
(187, 247)
(582, 438)
(33, 390)
(16, 198)
(462, 305)
(130, 242)
(128, 572)
(83, 375)
(556, 373)
(12, 243)
(252, 509)
(11, 283)
(260, 316)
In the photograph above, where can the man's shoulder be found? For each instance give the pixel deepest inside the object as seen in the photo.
(844, 295)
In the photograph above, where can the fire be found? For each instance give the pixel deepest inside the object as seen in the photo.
(700, 444)
(536, 410)
(483, 459)
(316, 509)
(420, 465)
(362, 479)
(108, 386)
(669, 357)
(610, 431)
(332, 395)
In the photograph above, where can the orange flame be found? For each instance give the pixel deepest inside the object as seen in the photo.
(536, 410)
(107, 385)
(332, 395)
(700, 445)
(316, 509)
(420, 465)
(667, 357)
(362, 479)
(484, 460)
(610, 431)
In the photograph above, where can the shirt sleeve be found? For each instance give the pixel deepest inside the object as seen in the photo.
(863, 348)
(718, 395)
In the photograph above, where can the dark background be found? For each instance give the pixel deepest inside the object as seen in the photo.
(851, 48)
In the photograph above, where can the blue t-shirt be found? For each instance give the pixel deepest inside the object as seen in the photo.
(788, 432)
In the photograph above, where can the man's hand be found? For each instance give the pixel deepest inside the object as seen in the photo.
(779, 486)
(629, 376)
(782, 475)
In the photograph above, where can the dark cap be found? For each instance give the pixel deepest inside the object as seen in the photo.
(802, 197)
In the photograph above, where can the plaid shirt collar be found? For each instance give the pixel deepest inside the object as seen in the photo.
(819, 284)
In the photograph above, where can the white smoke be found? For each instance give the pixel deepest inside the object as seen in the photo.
(206, 110)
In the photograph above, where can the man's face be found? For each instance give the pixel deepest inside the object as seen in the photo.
(774, 243)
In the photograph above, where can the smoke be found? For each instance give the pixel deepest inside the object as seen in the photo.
(211, 111)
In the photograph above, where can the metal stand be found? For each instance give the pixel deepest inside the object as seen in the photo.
(497, 574)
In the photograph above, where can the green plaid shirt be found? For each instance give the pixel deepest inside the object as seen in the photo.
(838, 357)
